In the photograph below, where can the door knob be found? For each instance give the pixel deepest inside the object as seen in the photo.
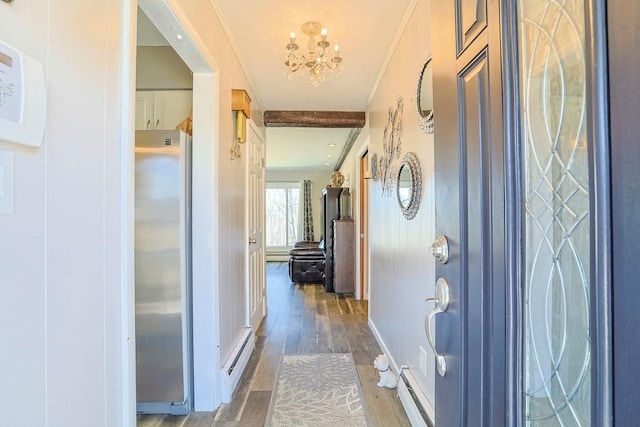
(441, 303)
(252, 241)
(440, 249)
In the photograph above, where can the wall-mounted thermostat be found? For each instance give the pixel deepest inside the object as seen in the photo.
(23, 98)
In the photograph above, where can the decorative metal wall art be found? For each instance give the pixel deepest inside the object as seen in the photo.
(391, 147)
(374, 167)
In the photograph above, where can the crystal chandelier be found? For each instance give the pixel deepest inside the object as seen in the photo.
(315, 66)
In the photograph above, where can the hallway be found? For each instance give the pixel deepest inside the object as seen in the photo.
(302, 318)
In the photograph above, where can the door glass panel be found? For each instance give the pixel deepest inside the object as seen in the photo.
(556, 352)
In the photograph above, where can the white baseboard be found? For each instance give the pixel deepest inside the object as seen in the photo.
(419, 411)
(415, 403)
(392, 363)
(277, 258)
(234, 367)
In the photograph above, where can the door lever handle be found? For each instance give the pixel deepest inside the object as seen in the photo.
(441, 305)
(252, 241)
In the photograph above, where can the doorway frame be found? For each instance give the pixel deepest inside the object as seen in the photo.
(169, 17)
(360, 257)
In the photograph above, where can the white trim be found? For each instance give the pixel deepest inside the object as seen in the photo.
(284, 184)
(392, 49)
(206, 258)
(235, 365)
(206, 112)
(396, 369)
(409, 403)
(247, 228)
(359, 152)
(392, 363)
(127, 168)
(169, 18)
(236, 50)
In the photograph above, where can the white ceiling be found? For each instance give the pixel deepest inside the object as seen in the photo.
(366, 31)
(304, 148)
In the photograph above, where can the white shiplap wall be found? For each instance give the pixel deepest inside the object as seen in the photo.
(231, 175)
(65, 253)
(61, 308)
(401, 269)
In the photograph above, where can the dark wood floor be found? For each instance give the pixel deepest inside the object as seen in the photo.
(302, 319)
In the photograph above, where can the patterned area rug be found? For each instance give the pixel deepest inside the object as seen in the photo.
(317, 390)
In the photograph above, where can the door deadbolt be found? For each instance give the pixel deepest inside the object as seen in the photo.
(440, 249)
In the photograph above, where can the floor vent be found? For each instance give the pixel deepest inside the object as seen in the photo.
(415, 403)
(235, 365)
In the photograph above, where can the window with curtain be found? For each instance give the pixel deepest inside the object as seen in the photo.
(283, 213)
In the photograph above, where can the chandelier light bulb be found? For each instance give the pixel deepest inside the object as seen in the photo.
(316, 65)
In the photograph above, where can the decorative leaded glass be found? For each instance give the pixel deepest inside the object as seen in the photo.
(556, 353)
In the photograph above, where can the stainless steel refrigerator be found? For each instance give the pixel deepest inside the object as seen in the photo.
(164, 373)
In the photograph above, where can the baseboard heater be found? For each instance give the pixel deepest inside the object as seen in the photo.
(235, 365)
(415, 403)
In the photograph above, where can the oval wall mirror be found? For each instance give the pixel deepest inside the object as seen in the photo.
(424, 97)
(404, 186)
(409, 185)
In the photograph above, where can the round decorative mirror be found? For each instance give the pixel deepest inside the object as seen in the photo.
(409, 185)
(424, 97)
(404, 186)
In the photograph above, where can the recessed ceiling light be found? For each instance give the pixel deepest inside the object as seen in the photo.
(327, 164)
(329, 155)
(332, 145)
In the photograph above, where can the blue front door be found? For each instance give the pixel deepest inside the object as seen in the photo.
(519, 170)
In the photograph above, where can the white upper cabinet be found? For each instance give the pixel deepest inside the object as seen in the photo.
(162, 109)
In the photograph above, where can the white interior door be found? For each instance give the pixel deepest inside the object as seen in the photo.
(255, 149)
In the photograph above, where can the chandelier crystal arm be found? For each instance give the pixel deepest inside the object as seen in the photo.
(315, 66)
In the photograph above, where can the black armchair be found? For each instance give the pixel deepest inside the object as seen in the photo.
(306, 262)
(306, 244)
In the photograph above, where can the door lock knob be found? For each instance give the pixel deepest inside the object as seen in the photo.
(440, 249)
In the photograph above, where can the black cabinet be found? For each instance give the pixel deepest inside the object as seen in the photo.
(330, 212)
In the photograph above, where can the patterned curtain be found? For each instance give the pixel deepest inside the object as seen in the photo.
(307, 224)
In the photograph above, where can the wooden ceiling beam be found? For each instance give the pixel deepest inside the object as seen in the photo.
(314, 119)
